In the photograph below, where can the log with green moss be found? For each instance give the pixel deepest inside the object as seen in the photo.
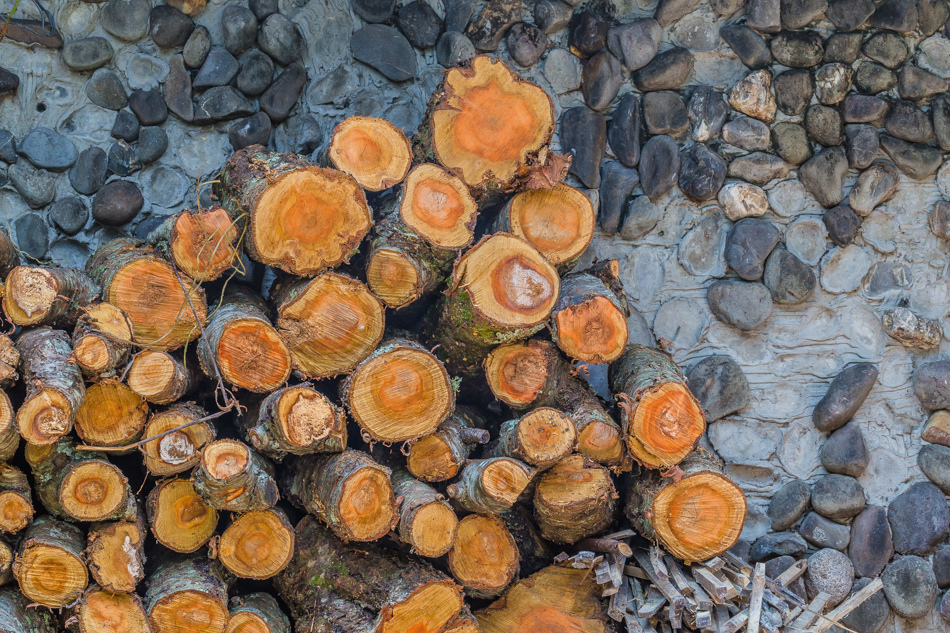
(37, 295)
(440, 456)
(257, 613)
(234, 478)
(187, 595)
(54, 386)
(49, 565)
(17, 615)
(426, 521)
(16, 499)
(490, 486)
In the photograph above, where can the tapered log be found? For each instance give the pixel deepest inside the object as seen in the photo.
(187, 595)
(401, 593)
(179, 450)
(588, 322)
(16, 499)
(559, 222)
(295, 216)
(179, 518)
(9, 254)
(440, 456)
(491, 128)
(485, 557)
(574, 499)
(533, 373)
(102, 611)
(242, 343)
(34, 295)
(7, 556)
(400, 392)
(78, 485)
(54, 386)
(115, 554)
(49, 564)
(426, 521)
(661, 417)
(9, 361)
(162, 378)
(161, 304)
(438, 207)
(534, 552)
(257, 613)
(17, 615)
(296, 420)
(540, 438)
(695, 517)
(348, 491)
(554, 599)
(9, 433)
(203, 244)
(234, 478)
(257, 544)
(111, 414)
(373, 151)
(330, 323)
(490, 486)
(502, 290)
(101, 340)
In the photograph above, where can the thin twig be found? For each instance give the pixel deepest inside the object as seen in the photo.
(153, 438)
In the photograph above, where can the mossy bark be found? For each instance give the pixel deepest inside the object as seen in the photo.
(253, 488)
(263, 606)
(18, 616)
(48, 373)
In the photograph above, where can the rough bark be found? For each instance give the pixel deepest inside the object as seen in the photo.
(187, 595)
(485, 557)
(16, 614)
(161, 377)
(440, 456)
(9, 254)
(588, 322)
(101, 340)
(101, 611)
(115, 554)
(7, 556)
(426, 521)
(35, 295)
(111, 414)
(9, 433)
(54, 386)
(179, 519)
(540, 438)
(574, 499)
(234, 478)
(178, 450)
(16, 499)
(534, 552)
(257, 544)
(258, 612)
(9, 361)
(490, 486)
(373, 151)
(51, 545)
(203, 244)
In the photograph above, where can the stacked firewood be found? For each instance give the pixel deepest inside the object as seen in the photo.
(390, 435)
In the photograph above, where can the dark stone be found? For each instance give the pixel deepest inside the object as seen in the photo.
(821, 532)
(263, 8)
(844, 397)
(931, 16)
(798, 49)
(823, 176)
(876, 184)
(747, 133)
(832, 83)
(777, 544)
(861, 145)
(373, 11)
(7, 147)
(453, 49)
(918, 84)
(870, 615)
(941, 565)
(90, 171)
(725, 8)
(69, 215)
(491, 25)
(256, 74)
(143, 230)
(149, 106)
(748, 244)
(153, 142)
(177, 90)
(239, 25)
(748, 45)
(939, 221)
(776, 566)
(829, 571)
(719, 385)
(624, 131)
(940, 112)
(944, 609)
(837, 497)
(419, 22)
(863, 109)
(218, 70)
(551, 16)
(743, 305)
(126, 20)
(9, 83)
(659, 166)
(849, 15)
(642, 216)
(824, 125)
(702, 171)
(125, 127)
(32, 236)
(664, 113)
(170, 27)
(910, 587)
(895, 15)
(758, 168)
(281, 97)
(845, 452)
(584, 136)
(764, 16)
(458, 13)
(873, 79)
(385, 49)
(791, 142)
(667, 71)
(635, 43)
(919, 518)
(526, 43)
(789, 279)
(670, 11)
(908, 122)
(913, 159)
(843, 47)
(793, 91)
(934, 462)
(88, 53)
(254, 130)
(797, 14)
(616, 184)
(123, 159)
(707, 113)
(789, 504)
(587, 33)
(889, 49)
(842, 224)
(48, 150)
(35, 186)
(601, 79)
(223, 103)
(117, 203)
(197, 47)
(281, 39)
(300, 134)
(871, 544)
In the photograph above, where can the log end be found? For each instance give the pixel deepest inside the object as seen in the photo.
(428, 608)
(665, 426)
(204, 243)
(252, 356)
(485, 557)
(366, 507)
(517, 372)
(431, 459)
(16, 511)
(373, 151)
(111, 414)
(393, 277)
(593, 331)
(558, 221)
(180, 520)
(50, 575)
(545, 435)
(179, 450)
(439, 207)
(104, 612)
(433, 531)
(257, 545)
(28, 295)
(505, 479)
(305, 416)
(93, 491)
(45, 417)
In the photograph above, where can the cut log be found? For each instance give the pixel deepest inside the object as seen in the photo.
(161, 304)
(34, 295)
(49, 564)
(7, 556)
(102, 611)
(534, 552)
(330, 323)
(187, 596)
(232, 477)
(16, 499)
(17, 615)
(426, 521)
(257, 613)
(101, 340)
(115, 554)
(9, 254)
(203, 244)
(574, 499)
(373, 151)
(438, 207)
(502, 290)
(492, 128)
(9, 361)
(348, 491)
(695, 518)
(162, 378)
(295, 420)
(178, 450)
(465, 622)
(661, 417)
(400, 392)
(242, 343)
(179, 518)
(554, 599)
(54, 386)
(490, 486)
(257, 544)
(558, 221)
(9, 433)
(440, 456)
(533, 373)
(485, 557)
(402, 594)
(295, 216)
(111, 414)
(75, 485)
(540, 438)
(588, 322)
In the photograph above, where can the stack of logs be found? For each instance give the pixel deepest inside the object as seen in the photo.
(391, 439)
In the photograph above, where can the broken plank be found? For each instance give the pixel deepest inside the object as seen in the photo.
(755, 600)
(812, 611)
(850, 604)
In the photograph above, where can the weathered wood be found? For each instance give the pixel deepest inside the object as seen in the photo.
(178, 450)
(440, 456)
(16, 613)
(9, 361)
(426, 521)
(295, 420)
(49, 565)
(187, 595)
(257, 613)
(534, 552)
(574, 499)
(54, 386)
(490, 486)
(234, 478)
(35, 295)
(115, 554)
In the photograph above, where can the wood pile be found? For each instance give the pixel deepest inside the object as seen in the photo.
(390, 436)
